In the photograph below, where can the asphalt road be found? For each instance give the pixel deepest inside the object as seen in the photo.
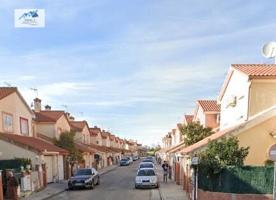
(117, 184)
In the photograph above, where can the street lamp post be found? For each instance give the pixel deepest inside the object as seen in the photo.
(195, 162)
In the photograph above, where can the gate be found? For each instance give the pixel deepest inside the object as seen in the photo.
(177, 173)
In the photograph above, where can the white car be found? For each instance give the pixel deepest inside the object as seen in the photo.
(130, 159)
(146, 178)
(146, 165)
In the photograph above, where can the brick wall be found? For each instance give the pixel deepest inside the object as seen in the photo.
(211, 120)
(205, 195)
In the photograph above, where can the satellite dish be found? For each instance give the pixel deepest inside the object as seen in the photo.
(269, 50)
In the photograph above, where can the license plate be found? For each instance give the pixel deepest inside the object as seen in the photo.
(78, 184)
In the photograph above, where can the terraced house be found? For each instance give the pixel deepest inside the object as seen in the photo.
(31, 134)
(49, 124)
(18, 138)
(245, 108)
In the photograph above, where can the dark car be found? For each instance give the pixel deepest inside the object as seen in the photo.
(150, 157)
(146, 165)
(148, 160)
(84, 178)
(124, 162)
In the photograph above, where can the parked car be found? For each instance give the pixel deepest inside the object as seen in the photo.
(84, 178)
(130, 159)
(148, 160)
(135, 158)
(146, 165)
(124, 162)
(146, 178)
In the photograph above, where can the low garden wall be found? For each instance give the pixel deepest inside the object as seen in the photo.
(206, 195)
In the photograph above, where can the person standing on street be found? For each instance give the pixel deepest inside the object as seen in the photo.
(165, 167)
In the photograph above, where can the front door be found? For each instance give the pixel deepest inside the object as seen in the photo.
(49, 168)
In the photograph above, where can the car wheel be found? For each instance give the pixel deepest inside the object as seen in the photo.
(98, 181)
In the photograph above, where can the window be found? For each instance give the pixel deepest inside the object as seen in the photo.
(7, 122)
(24, 126)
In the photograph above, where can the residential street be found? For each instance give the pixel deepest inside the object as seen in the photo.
(117, 184)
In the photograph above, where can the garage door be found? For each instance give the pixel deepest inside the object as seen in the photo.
(49, 168)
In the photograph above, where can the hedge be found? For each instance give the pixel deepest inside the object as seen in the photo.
(242, 180)
(14, 163)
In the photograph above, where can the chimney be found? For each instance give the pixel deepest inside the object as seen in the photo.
(47, 107)
(69, 117)
(37, 105)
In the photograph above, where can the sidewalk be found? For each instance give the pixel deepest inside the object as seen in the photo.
(53, 189)
(169, 190)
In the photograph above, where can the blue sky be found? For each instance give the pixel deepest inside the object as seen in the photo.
(132, 67)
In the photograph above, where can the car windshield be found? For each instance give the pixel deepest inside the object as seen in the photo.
(146, 165)
(146, 173)
(83, 172)
(124, 160)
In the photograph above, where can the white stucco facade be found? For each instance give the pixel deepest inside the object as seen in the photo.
(234, 103)
(199, 116)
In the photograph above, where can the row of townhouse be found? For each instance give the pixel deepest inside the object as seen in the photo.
(31, 134)
(245, 108)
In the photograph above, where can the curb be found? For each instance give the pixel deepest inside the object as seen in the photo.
(103, 173)
(55, 194)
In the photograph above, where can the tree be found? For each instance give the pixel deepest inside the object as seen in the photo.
(195, 132)
(66, 141)
(222, 153)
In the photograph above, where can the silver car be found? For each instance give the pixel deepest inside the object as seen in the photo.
(146, 178)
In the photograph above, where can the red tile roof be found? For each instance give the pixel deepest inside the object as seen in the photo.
(256, 70)
(84, 148)
(48, 116)
(115, 149)
(6, 91)
(94, 131)
(104, 135)
(189, 118)
(78, 125)
(32, 143)
(209, 105)
(179, 126)
(112, 137)
(99, 148)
